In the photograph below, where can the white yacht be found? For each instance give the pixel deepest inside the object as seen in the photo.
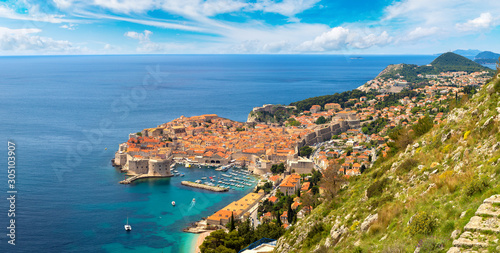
(127, 226)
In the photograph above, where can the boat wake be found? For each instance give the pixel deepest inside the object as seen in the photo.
(193, 203)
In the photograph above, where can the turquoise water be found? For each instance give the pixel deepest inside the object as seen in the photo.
(63, 112)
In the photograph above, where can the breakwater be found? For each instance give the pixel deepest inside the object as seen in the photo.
(205, 187)
(133, 178)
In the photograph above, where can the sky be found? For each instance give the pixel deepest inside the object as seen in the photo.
(69, 27)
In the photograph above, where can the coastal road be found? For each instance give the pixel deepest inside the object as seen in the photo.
(253, 215)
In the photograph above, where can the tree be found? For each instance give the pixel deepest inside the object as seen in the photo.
(320, 120)
(331, 181)
(308, 200)
(316, 177)
(423, 126)
(246, 231)
(363, 169)
(349, 150)
(213, 241)
(306, 151)
(293, 122)
(298, 193)
(315, 190)
(234, 241)
(278, 218)
(290, 214)
(269, 230)
(231, 223)
(278, 168)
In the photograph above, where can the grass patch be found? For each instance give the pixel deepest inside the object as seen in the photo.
(407, 165)
(476, 186)
(377, 187)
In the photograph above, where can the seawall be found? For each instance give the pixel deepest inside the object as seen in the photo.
(204, 187)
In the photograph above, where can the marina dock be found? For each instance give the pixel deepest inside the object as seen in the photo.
(203, 186)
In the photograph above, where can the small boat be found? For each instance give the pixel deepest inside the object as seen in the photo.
(204, 178)
(194, 200)
(173, 203)
(127, 226)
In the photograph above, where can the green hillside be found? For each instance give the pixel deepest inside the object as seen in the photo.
(454, 62)
(487, 57)
(443, 63)
(419, 197)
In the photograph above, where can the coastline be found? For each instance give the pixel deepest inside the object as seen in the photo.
(197, 241)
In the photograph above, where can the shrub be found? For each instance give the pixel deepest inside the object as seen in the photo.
(430, 245)
(407, 165)
(448, 226)
(358, 250)
(477, 186)
(466, 134)
(497, 85)
(315, 234)
(386, 214)
(447, 179)
(376, 202)
(396, 248)
(376, 188)
(316, 229)
(423, 126)
(422, 223)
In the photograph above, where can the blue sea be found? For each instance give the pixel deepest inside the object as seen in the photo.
(67, 115)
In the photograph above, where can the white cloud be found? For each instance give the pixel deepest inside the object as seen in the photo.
(287, 8)
(142, 37)
(442, 13)
(23, 41)
(195, 8)
(63, 4)
(147, 46)
(69, 26)
(420, 32)
(34, 15)
(276, 47)
(126, 6)
(484, 21)
(343, 38)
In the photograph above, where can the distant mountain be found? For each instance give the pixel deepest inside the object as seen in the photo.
(454, 62)
(487, 57)
(468, 52)
(445, 62)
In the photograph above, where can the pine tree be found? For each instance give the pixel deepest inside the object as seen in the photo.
(290, 214)
(231, 223)
(278, 218)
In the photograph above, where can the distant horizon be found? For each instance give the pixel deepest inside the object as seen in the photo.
(297, 54)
